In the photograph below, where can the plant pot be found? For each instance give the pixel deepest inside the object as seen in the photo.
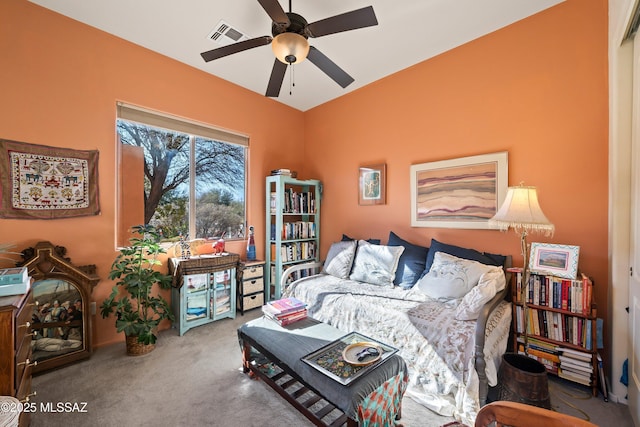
(136, 348)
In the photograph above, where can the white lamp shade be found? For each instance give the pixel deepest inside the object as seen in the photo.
(521, 211)
(290, 48)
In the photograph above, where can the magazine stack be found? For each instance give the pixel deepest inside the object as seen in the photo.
(285, 311)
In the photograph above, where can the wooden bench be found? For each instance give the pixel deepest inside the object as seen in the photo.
(274, 354)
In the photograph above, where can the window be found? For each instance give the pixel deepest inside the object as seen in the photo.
(186, 178)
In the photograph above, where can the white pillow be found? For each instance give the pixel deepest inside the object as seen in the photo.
(376, 264)
(489, 285)
(451, 277)
(339, 259)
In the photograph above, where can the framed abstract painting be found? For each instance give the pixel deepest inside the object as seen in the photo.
(458, 193)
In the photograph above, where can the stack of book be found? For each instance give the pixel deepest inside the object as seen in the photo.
(543, 352)
(285, 311)
(14, 281)
(575, 365)
(285, 172)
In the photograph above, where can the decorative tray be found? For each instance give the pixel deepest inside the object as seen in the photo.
(331, 360)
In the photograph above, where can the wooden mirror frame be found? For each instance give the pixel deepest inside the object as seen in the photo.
(46, 261)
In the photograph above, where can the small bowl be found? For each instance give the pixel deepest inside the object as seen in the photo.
(349, 354)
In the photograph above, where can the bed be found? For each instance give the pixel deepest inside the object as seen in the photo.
(452, 357)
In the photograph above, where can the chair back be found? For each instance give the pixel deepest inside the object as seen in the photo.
(514, 414)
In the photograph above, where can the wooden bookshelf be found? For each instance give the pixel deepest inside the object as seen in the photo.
(555, 322)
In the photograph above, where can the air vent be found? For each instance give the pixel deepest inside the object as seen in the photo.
(225, 34)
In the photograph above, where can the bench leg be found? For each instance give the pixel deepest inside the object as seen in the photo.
(246, 359)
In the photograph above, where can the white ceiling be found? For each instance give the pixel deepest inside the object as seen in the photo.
(408, 32)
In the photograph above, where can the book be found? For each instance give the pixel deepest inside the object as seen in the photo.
(14, 288)
(13, 275)
(571, 376)
(285, 305)
(603, 381)
(288, 319)
(577, 354)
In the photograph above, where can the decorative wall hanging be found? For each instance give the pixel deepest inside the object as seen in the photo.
(372, 185)
(458, 193)
(41, 182)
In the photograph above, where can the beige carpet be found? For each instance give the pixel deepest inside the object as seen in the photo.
(196, 380)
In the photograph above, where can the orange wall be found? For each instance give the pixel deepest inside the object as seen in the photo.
(537, 89)
(60, 81)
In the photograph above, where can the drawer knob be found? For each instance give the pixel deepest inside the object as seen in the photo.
(26, 325)
(28, 363)
(36, 303)
(28, 397)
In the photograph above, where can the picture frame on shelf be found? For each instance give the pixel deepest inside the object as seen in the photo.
(372, 185)
(554, 259)
(458, 193)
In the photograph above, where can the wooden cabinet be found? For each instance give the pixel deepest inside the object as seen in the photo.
(204, 289)
(15, 348)
(554, 322)
(250, 285)
(292, 227)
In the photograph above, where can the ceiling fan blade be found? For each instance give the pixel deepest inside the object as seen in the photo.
(275, 12)
(329, 67)
(355, 19)
(235, 48)
(275, 81)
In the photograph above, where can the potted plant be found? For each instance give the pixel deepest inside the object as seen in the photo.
(138, 311)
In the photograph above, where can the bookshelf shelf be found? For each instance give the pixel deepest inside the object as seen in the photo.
(554, 322)
(292, 227)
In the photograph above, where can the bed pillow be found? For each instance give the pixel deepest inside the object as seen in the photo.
(346, 238)
(340, 259)
(489, 285)
(375, 264)
(451, 277)
(460, 252)
(411, 264)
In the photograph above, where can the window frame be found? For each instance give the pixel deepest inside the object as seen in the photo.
(194, 130)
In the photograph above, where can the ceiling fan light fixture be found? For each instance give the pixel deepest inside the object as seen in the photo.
(290, 48)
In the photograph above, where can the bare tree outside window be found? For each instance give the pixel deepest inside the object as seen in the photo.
(219, 186)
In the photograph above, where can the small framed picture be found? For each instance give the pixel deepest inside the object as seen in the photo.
(372, 185)
(557, 260)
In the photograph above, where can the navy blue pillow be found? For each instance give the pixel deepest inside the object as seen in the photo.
(411, 264)
(465, 253)
(346, 238)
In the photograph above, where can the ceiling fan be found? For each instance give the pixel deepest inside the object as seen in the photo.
(290, 45)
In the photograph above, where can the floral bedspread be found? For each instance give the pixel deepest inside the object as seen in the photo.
(437, 348)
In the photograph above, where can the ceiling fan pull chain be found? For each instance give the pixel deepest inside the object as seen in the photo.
(292, 80)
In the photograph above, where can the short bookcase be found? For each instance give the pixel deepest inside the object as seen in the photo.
(554, 322)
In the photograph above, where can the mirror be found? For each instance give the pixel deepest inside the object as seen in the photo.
(57, 319)
(60, 321)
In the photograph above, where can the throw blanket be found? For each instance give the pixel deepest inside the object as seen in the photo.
(438, 348)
